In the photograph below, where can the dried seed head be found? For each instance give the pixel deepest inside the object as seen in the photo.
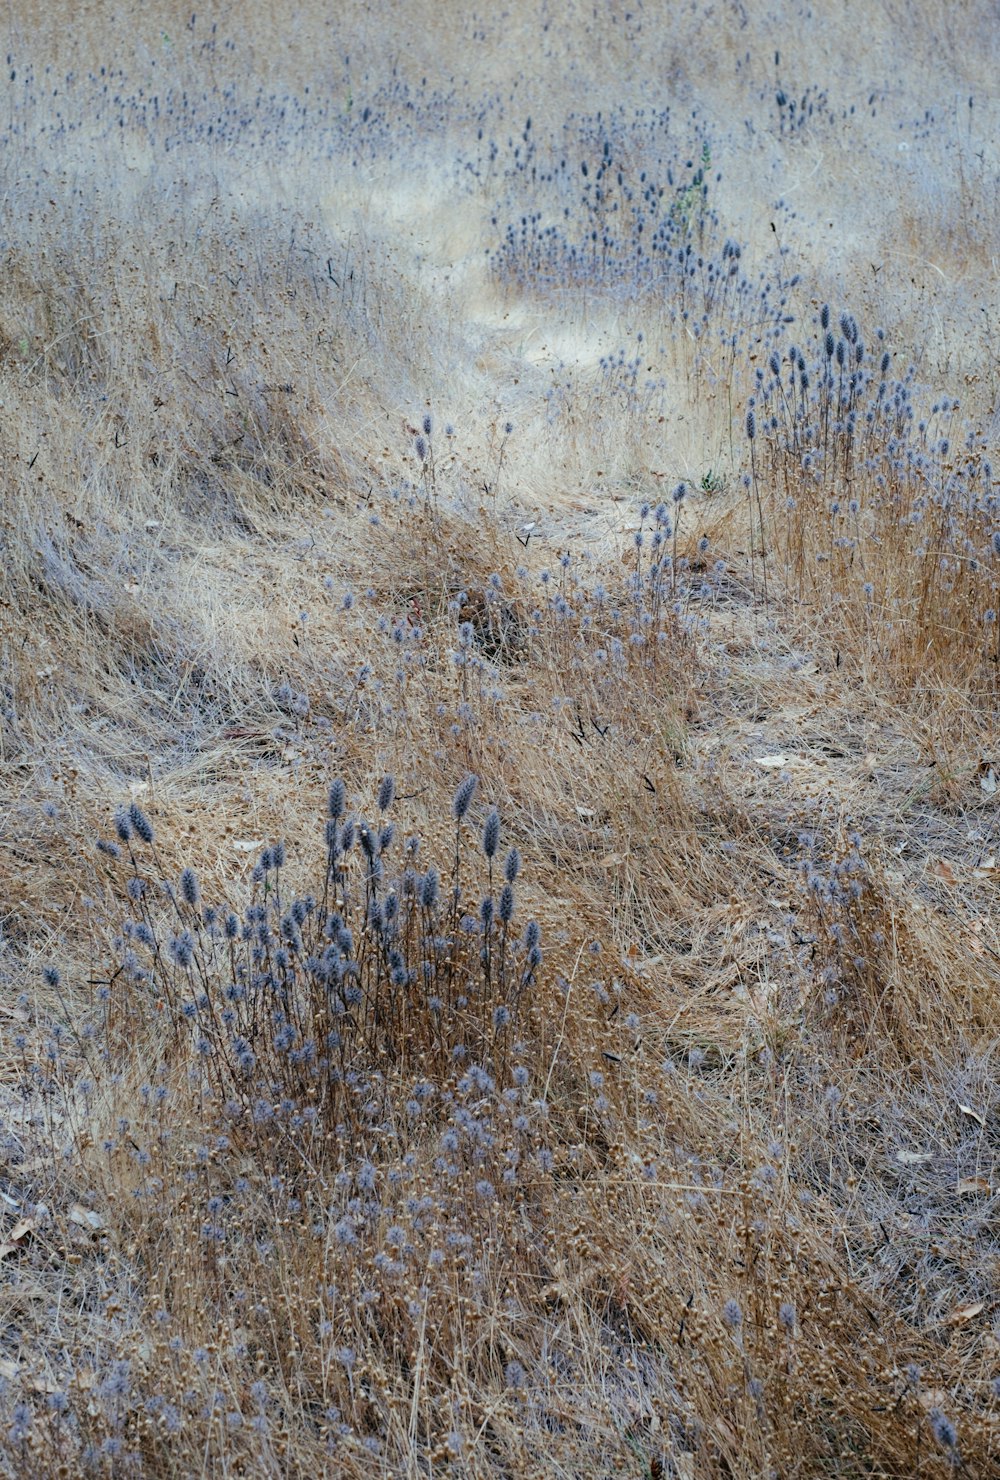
(462, 799)
(141, 823)
(337, 799)
(491, 833)
(429, 888)
(943, 1429)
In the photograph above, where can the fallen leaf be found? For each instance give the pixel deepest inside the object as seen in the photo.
(85, 1217)
(727, 1434)
(8, 1369)
(987, 778)
(39, 1384)
(248, 845)
(973, 1184)
(912, 1158)
(943, 870)
(771, 762)
(972, 1114)
(18, 1236)
(963, 1313)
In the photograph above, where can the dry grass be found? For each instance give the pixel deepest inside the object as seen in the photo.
(680, 1157)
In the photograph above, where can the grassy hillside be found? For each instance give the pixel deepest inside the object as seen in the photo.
(498, 776)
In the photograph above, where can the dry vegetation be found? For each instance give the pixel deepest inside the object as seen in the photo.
(601, 405)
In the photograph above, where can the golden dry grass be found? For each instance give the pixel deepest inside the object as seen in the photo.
(710, 1187)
